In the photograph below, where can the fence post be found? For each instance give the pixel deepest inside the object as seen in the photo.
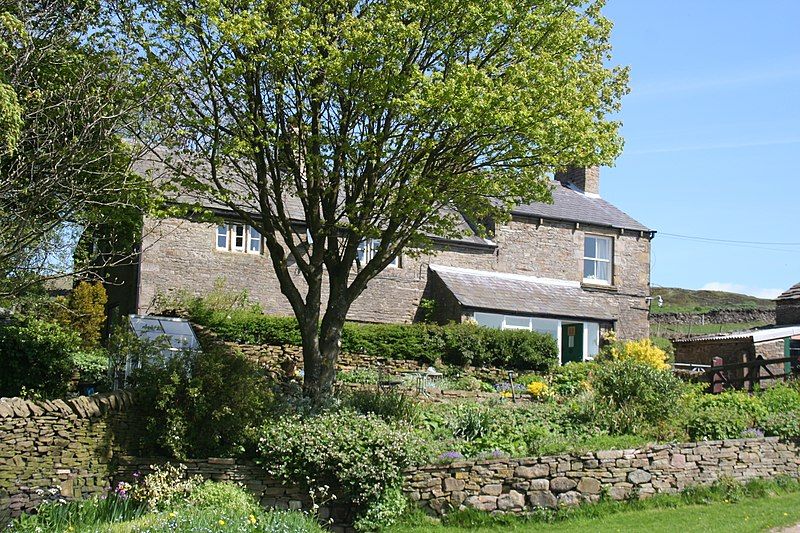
(716, 386)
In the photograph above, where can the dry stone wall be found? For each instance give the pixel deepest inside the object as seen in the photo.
(521, 485)
(64, 444)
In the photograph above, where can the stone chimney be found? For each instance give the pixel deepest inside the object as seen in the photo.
(585, 179)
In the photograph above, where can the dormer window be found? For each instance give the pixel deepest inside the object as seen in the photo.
(597, 259)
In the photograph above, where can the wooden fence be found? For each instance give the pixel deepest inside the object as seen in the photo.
(750, 373)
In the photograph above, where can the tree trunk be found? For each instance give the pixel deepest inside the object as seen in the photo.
(321, 355)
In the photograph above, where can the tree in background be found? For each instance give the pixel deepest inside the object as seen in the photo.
(390, 120)
(65, 100)
(84, 311)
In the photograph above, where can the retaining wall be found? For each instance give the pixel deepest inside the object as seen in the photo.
(64, 444)
(520, 485)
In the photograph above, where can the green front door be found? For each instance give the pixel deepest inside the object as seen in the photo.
(571, 343)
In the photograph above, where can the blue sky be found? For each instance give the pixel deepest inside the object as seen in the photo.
(712, 139)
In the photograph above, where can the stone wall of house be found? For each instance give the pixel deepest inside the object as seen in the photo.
(180, 254)
(787, 312)
(520, 485)
(65, 444)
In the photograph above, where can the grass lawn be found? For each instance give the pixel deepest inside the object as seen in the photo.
(748, 514)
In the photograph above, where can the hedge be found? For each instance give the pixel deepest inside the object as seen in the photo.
(456, 344)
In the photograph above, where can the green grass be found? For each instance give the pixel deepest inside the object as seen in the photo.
(689, 301)
(758, 506)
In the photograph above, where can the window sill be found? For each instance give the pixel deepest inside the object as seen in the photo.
(598, 287)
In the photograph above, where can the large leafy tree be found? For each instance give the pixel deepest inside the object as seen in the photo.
(66, 98)
(382, 119)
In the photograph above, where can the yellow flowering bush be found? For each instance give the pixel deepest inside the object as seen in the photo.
(538, 389)
(643, 351)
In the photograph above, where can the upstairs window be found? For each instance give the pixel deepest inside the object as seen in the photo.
(254, 241)
(367, 250)
(597, 263)
(238, 238)
(222, 237)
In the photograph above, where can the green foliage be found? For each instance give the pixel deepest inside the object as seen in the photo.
(782, 424)
(216, 495)
(388, 509)
(780, 398)
(389, 405)
(361, 455)
(716, 423)
(166, 486)
(457, 344)
(80, 514)
(92, 366)
(631, 395)
(572, 378)
(37, 357)
(465, 344)
(201, 404)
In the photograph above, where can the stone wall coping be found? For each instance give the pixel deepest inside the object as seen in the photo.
(79, 407)
(598, 454)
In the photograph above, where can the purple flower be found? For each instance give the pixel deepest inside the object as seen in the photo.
(451, 455)
(752, 433)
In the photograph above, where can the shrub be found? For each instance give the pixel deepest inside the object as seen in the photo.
(37, 358)
(571, 378)
(92, 366)
(782, 424)
(643, 351)
(465, 344)
(201, 404)
(523, 350)
(223, 495)
(165, 486)
(362, 376)
(420, 342)
(780, 398)
(538, 389)
(716, 423)
(361, 455)
(383, 512)
(85, 312)
(631, 394)
(388, 405)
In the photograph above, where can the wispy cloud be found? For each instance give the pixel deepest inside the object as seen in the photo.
(758, 292)
(724, 81)
(717, 146)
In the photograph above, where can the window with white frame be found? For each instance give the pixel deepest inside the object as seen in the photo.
(367, 250)
(597, 263)
(238, 238)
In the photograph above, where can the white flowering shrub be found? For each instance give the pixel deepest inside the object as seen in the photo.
(359, 456)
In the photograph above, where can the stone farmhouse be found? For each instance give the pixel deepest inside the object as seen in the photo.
(572, 269)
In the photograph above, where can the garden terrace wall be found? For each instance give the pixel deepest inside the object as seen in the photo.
(272, 357)
(520, 485)
(271, 493)
(64, 444)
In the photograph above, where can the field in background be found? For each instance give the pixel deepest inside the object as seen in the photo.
(699, 302)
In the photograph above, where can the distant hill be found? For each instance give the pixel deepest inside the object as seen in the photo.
(689, 301)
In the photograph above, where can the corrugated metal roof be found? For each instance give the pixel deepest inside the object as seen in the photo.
(514, 293)
(574, 206)
(758, 335)
(792, 293)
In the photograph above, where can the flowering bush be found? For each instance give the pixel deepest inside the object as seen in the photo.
(538, 389)
(643, 351)
(165, 486)
(360, 454)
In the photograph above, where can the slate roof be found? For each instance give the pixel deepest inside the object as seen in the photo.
(514, 293)
(568, 204)
(792, 293)
(573, 206)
